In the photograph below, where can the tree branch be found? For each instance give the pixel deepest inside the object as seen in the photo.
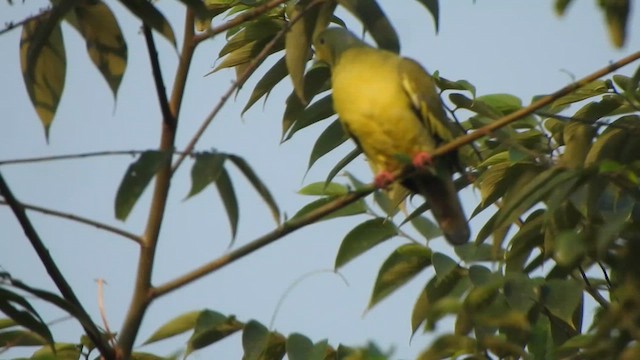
(14, 25)
(245, 16)
(251, 67)
(167, 116)
(141, 298)
(52, 269)
(347, 199)
(81, 220)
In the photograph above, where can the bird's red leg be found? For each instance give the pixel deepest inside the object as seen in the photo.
(422, 159)
(383, 179)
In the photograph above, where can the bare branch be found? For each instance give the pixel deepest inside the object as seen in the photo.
(81, 220)
(52, 269)
(14, 25)
(167, 116)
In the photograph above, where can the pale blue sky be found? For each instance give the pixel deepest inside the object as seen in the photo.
(507, 46)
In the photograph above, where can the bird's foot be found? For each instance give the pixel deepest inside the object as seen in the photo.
(383, 179)
(422, 159)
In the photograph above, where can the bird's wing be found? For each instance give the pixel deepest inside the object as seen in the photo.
(421, 89)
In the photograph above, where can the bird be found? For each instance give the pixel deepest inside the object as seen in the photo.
(390, 107)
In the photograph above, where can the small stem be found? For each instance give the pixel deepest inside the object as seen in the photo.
(81, 220)
(168, 118)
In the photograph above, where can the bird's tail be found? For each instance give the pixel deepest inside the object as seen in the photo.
(441, 193)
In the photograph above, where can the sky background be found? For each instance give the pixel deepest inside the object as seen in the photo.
(501, 46)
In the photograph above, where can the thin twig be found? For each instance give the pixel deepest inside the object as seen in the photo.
(167, 116)
(245, 16)
(295, 224)
(251, 67)
(52, 269)
(80, 219)
(595, 294)
(14, 25)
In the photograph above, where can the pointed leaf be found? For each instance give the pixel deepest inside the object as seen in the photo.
(257, 184)
(401, 266)
(434, 10)
(355, 208)
(228, 196)
(443, 265)
(298, 42)
(375, 21)
(561, 297)
(323, 189)
(426, 227)
(105, 44)
(136, 179)
(59, 351)
(617, 14)
(593, 89)
(13, 338)
(270, 79)
(205, 170)
(317, 111)
(21, 311)
(175, 326)
(148, 13)
(255, 340)
(316, 80)
(364, 237)
(343, 163)
(332, 137)
(561, 6)
(44, 65)
(7, 323)
(211, 326)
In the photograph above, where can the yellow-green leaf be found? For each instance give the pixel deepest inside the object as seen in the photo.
(175, 326)
(228, 196)
(136, 179)
(148, 13)
(364, 237)
(105, 44)
(332, 137)
(402, 265)
(298, 42)
(43, 71)
(205, 171)
(375, 21)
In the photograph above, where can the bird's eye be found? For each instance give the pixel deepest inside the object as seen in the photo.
(321, 41)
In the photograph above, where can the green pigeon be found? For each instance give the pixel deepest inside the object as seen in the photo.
(390, 106)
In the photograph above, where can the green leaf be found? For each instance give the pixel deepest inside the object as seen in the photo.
(343, 163)
(617, 15)
(561, 6)
(317, 111)
(520, 292)
(59, 351)
(593, 89)
(316, 80)
(332, 137)
(443, 265)
(13, 338)
(478, 107)
(533, 192)
(257, 184)
(205, 170)
(299, 347)
(472, 252)
(426, 227)
(271, 78)
(375, 21)
(529, 237)
(22, 312)
(445, 84)
(446, 346)
(504, 103)
(298, 42)
(364, 237)
(323, 189)
(561, 298)
(401, 266)
(105, 44)
(7, 323)
(247, 53)
(210, 327)
(255, 340)
(434, 10)
(148, 13)
(569, 248)
(259, 30)
(175, 326)
(44, 63)
(136, 179)
(354, 208)
(228, 196)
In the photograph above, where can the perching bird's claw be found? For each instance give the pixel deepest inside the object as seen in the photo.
(383, 179)
(422, 159)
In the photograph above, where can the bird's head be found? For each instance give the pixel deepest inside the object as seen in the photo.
(330, 43)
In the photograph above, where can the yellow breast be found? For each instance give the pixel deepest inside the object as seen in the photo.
(370, 100)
